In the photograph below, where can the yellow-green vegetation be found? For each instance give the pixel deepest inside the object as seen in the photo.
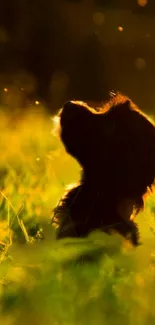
(100, 280)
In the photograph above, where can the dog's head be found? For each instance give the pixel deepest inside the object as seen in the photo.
(114, 145)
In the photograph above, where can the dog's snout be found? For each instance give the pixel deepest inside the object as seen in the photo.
(69, 107)
(67, 113)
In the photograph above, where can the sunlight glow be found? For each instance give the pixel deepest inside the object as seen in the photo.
(56, 125)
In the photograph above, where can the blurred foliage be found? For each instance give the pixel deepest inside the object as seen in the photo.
(97, 280)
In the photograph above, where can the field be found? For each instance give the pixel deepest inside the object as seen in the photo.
(47, 282)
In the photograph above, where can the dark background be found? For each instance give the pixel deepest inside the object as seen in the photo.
(54, 50)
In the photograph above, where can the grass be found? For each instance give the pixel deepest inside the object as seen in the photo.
(47, 282)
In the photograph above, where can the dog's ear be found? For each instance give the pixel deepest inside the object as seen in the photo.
(124, 107)
(127, 104)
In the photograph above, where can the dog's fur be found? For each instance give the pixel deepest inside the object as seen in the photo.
(115, 147)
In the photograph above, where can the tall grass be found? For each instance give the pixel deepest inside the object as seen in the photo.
(99, 280)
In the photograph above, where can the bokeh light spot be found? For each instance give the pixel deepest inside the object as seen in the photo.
(3, 35)
(98, 18)
(59, 79)
(142, 3)
(140, 63)
(120, 28)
